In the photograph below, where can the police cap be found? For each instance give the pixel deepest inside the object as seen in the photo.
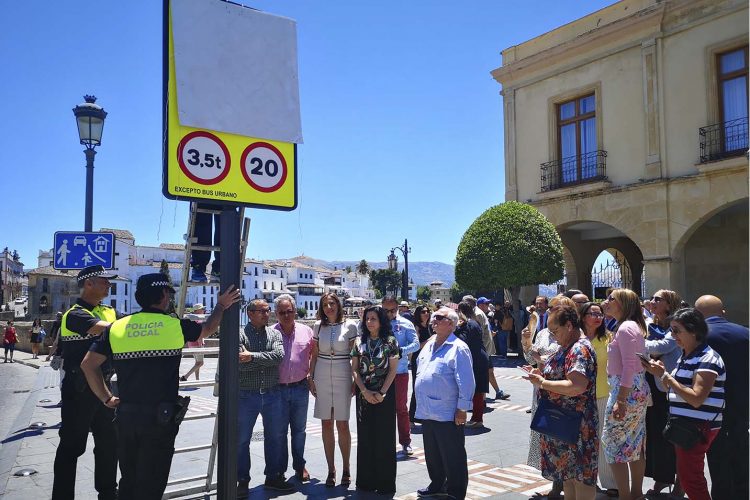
(94, 272)
(153, 280)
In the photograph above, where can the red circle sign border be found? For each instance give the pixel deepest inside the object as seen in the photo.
(186, 171)
(255, 186)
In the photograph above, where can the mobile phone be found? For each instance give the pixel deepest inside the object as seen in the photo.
(524, 370)
(644, 357)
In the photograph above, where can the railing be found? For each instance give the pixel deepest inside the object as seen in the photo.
(579, 169)
(723, 140)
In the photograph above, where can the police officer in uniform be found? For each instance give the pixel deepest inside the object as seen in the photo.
(146, 348)
(81, 411)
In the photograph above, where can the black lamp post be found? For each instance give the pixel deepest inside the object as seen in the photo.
(90, 118)
(405, 278)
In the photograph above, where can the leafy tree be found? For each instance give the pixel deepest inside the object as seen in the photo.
(16, 257)
(301, 312)
(363, 267)
(385, 280)
(424, 293)
(457, 293)
(348, 269)
(510, 245)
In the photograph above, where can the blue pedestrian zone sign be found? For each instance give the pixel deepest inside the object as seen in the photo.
(76, 250)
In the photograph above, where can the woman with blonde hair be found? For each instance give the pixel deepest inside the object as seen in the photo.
(661, 345)
(624, 431)
(331, 380)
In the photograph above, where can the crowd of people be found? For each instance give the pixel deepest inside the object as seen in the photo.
(637, 389)
(644, 389)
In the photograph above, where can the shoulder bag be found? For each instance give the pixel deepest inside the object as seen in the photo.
(557, 422)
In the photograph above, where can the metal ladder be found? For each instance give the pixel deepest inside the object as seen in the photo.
(191, 245)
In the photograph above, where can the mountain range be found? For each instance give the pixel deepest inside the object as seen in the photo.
(421, 273)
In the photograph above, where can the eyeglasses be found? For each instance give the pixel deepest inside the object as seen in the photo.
(595, 315)
(439, 317)
(285, 313)
(391, 311)
(262, 311)
(656, 299)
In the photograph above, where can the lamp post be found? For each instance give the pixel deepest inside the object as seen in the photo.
(90, 119)
(405, 279)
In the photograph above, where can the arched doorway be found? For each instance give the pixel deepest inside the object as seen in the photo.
(715, 260)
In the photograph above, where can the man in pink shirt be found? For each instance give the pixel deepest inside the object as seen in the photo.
(293, 372)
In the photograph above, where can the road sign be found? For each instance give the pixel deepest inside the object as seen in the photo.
(204, 164)
(76, 250)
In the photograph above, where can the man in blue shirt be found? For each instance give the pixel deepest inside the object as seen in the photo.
(408, 342)
(728, 455)
(444, 388)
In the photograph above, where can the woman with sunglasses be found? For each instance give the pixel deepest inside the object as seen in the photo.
(624, 431)
(424, 332)
(661, 345)
(696, 395)
(374, 364)
(592, 324)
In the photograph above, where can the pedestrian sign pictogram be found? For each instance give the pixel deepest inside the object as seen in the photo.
(209, 153)
(76, 250)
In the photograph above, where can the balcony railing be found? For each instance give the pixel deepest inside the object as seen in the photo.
(723, 140)
(579, 169)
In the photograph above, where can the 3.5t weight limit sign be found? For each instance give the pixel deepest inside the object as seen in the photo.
(203, 157)
(263, 167)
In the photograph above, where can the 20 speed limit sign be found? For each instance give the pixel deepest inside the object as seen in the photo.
(203, 157)
(263, 167)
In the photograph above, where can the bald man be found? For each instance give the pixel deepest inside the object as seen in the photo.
(728, 455)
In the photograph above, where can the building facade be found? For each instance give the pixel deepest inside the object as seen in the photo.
(628, 130)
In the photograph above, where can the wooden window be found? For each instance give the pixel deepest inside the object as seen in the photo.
(732, 75)
(576, 139)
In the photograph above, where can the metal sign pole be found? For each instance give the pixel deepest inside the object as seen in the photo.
(228, 357)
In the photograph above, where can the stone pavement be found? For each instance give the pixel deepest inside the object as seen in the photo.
(497, 453)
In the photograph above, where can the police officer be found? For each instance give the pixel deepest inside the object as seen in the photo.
(146, 348)
(81, 411)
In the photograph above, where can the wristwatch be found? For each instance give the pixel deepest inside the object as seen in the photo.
(383, 393)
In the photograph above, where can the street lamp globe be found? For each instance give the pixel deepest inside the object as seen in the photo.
(90, 118)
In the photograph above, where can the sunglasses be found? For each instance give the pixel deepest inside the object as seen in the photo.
(656, 299)
(262, 311)
(439, 317)
(425, 312)
(595, 315)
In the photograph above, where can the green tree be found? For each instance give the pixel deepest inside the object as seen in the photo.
(301, 312)
(385, 280)
(424, 293)
(363, 267)
(348, 269)
(457, 293)
(510, 245)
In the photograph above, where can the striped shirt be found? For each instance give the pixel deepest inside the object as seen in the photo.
(702, 359)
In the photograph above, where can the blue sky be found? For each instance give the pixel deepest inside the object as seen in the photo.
(402, 122)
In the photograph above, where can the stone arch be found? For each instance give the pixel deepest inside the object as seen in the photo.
(711, 258)
(586, 239)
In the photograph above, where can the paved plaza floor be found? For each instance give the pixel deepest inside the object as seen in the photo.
(496, 454)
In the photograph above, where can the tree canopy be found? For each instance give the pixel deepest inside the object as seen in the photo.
(385, 280)
(363, 267)
(509, 245)
(424, 293)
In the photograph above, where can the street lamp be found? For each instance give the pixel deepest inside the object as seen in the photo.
(90, 118)
(405, 279)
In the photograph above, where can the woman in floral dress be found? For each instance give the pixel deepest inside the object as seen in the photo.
(374, 363)
(568, 380)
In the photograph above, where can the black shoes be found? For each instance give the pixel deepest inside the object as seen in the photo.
(278, 483)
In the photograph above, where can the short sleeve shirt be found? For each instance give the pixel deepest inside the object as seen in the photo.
(80, 322)
(374, 360)
(148, 380)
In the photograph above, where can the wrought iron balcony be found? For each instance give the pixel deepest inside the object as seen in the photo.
(723, 140)
(579, 169)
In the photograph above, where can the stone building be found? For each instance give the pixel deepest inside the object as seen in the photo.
(627, 129)
(51, 291)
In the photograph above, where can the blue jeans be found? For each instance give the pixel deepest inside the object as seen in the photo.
(501, 342)
(268, 405)
(294, 415)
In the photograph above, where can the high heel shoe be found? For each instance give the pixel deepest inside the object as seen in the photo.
(346, 478)
(331, 479)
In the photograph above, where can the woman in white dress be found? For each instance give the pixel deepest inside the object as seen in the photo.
(331, 381)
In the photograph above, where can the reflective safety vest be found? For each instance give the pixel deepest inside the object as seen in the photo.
(146, 335)
(104, 313)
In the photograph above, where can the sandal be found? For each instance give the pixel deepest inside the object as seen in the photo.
(183, 379)
(346, 479)
(331, 479)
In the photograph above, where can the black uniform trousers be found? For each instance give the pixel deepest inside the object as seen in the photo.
(145, 449)
(661, 461)
(376, 444)
(728, 461)
(445, 455)
(83, 412)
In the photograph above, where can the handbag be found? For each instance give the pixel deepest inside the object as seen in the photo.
(682, 432)
(556, 422)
